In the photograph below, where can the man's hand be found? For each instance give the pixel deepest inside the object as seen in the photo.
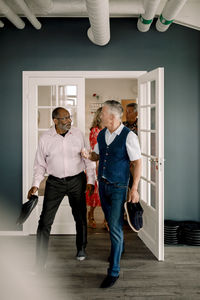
(136, 167)
(91, 155)
(90, 189)
(85, 153)
(32, 191)
(133, 196)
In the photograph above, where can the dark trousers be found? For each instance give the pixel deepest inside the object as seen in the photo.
(74, 187)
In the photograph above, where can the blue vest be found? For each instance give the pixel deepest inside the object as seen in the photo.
(114, 163)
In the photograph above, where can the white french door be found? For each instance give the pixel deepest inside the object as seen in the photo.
(151, 136)
(42, 91)
(43, 94)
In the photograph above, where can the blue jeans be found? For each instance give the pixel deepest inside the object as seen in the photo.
(112, 198)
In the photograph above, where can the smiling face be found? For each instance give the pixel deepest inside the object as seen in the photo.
(63, 121)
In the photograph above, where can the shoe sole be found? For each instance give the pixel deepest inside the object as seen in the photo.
(81, 258)
(128, 219)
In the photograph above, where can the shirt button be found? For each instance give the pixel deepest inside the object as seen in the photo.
(104, 160)
(106, 153)
(104, 167)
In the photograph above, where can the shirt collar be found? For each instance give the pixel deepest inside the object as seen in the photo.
(53, 131)
(117, 131)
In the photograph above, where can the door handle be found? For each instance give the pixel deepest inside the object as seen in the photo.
(156, 159)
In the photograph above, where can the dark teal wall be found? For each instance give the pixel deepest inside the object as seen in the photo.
(62, 44)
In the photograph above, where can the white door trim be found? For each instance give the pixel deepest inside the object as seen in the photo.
(83, 74)
(26, 75)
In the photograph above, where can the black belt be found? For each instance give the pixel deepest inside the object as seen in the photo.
(64, 178)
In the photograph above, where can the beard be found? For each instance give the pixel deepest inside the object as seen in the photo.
(64, 127)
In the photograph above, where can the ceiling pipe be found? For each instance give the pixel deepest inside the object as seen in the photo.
(27, 13)
(44, 5)
(145, 20)
(77, 8)
(1, 24)
(98, 12)
(170, 11)
(10, 15)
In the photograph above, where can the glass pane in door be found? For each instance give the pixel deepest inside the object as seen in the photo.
(67, 97)
(153, 118)
(144, 190)
(71, 90)
(153, 144)
(144, 121)
(153, 196)
(144, 166)
(144, 142)
(153, 171)
(153, 92)
(44, 95)
(44, 118)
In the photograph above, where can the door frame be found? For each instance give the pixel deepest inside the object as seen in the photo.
(27, 75)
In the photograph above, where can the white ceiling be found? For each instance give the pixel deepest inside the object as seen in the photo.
(188, 15)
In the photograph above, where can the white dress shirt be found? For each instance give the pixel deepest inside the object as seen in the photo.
(61, 156)
(132, 143)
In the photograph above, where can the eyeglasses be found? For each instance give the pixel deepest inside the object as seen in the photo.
(64, 118)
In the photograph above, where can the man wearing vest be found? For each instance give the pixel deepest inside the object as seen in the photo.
(117, 149)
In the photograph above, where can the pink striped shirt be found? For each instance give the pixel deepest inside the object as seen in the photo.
(61, 156)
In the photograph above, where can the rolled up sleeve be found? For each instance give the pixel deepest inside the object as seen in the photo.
(90, 168)
(133, 146)
(96, 148)
(39, 167)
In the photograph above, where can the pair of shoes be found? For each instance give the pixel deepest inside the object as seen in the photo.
(108, 281)
(81, 255)
(134, 213)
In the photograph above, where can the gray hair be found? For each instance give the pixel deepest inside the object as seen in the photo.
(133, 105)
(114, 107)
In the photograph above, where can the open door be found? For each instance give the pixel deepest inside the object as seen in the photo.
(151, 136)
(41, 96)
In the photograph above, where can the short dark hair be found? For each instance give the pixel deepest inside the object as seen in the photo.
(133, 105)
(55, 112)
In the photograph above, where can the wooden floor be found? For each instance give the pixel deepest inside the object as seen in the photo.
(141, 276)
